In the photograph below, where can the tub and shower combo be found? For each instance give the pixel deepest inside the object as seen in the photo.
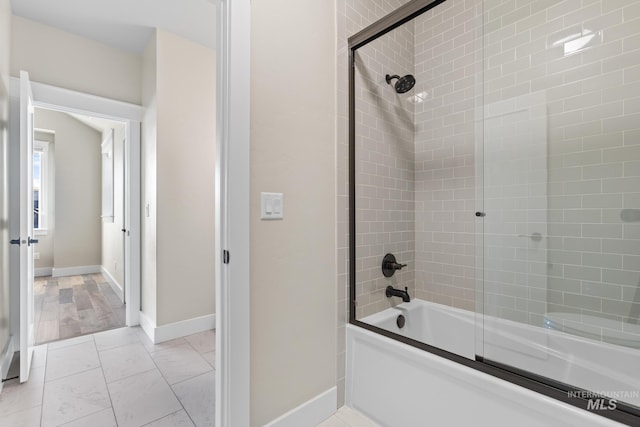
(494, 238)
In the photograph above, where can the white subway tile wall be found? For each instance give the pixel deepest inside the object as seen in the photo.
(579, 60)
(352, 16)
(529, 110)
(385, 151)
(448, 71)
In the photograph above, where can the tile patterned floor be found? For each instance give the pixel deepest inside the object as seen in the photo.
(71, 306)
(115, 378)
(347, 417)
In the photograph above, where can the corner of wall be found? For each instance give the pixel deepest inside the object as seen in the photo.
(148, 182)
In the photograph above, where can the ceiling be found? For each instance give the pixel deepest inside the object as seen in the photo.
(125, 24)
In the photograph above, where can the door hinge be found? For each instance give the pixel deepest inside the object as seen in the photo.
(225, 256)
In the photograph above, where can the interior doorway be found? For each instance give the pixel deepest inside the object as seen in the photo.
(71, 103)
(79, 207)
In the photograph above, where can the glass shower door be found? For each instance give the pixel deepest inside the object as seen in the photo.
(561, 174)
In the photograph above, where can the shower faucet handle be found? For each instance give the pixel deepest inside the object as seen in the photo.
(390, 265)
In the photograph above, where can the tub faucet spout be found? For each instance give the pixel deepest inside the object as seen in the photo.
(393, 292)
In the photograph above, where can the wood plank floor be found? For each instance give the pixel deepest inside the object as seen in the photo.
(71, 306)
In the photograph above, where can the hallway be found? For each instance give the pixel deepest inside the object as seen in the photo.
(70, 306)
(116, 378)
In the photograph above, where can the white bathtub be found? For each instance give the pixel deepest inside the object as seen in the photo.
(398, 385)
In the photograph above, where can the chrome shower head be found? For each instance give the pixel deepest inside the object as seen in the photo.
(404, 84)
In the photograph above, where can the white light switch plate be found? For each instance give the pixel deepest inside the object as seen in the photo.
(272, 206)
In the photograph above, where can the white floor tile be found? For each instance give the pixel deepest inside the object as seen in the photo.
(18, 397)
(104, 418)
(71, 360)
(142, 398)
(68, 342)
(332, 421)
(203, 342)
(116, 378)
(124, 361)
(115, 338)
(180, 363)
(197, 395)
(152, 348)
(73, 397)
(353, 418)
(210, 357)
(177, 419)
(25, 418)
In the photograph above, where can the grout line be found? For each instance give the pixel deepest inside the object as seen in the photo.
(105, 380)
(44, 381)
(87, 415)
(172, 391)
(194, 377)
(168, 415)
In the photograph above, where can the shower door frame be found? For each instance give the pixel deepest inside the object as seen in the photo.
(560, 391)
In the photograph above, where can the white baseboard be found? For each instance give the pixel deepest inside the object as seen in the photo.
(74, 271)
(5, 360)
(310, 413)
(43, 271)
(117, 288)
(158, 334)
(147, 325)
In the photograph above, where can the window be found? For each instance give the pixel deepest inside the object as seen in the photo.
(40, 185)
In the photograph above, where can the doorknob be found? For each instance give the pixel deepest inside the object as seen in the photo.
(536, 237)
(30, 241)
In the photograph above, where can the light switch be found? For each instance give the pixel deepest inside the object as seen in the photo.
(271, 206)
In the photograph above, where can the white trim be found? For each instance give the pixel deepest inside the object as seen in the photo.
(171, 331)
(70, 101)
(75, 271)
(117, 288)
(148, 326)
(233, 334)
(43, 271)
(5, 360)
(310, 413)
(132, 262)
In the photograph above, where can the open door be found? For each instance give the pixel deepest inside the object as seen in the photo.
(27, 332)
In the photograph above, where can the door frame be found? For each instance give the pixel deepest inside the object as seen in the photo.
(69, 101)
(233, 361)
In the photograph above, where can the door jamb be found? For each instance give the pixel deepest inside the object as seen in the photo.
(233, 306)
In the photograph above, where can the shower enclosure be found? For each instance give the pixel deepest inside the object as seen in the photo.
(495, 153)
